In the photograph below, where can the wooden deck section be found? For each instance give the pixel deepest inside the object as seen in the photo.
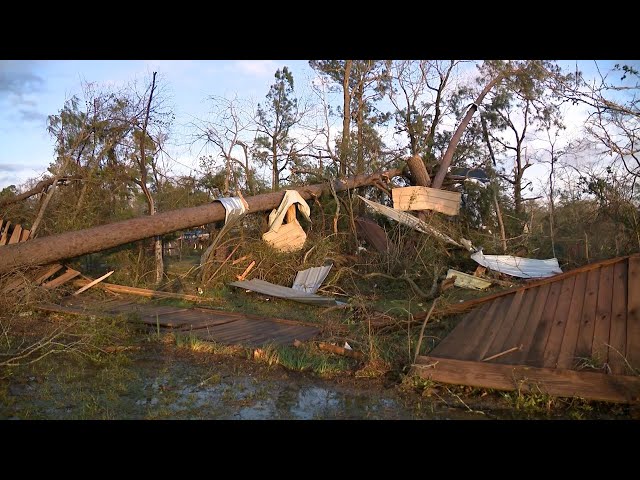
(215, 325)
(575, 334)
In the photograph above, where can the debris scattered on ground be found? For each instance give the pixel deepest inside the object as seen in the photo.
(465, 280)
(410, 221)
(309, 280)
(267, 288)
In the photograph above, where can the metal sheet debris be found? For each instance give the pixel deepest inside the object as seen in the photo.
(273, 290)
(309, 280)
(518, 266)
(410, 221)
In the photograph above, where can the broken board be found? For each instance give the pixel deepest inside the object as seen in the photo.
(425, 198)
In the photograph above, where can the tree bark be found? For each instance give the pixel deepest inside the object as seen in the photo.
(419, 172)
(448, 155)
(67, 245)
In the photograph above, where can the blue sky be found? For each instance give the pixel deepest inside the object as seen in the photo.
(31, 90)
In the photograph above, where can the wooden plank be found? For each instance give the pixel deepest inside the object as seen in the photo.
(47, 273)
(565, 358)
(500, 336)
(25, 235)
(563, 383)
(465, 280)
(15, 236)
(551, 328)
(496, 326)
(5, 233)
(448, 346)
(465, 306)
(474, 336)
(91, 284)
(66, 276)
(544, 306)
(618, 336)
(633, 313)
(143, 292)
(425, 198)
(518, 325)
(602, 326)
(588, 317)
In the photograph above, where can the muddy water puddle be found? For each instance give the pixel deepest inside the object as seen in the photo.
(179, 388)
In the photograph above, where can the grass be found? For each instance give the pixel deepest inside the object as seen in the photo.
(304, 358)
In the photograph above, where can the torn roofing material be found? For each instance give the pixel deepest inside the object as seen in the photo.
(518, 266)
(309, 280)
(273, 290)
(574, 334)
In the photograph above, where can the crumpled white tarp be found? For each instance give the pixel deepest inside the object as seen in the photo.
(290, 197)
(518, 266)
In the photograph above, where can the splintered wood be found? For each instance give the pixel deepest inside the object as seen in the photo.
(10, 235)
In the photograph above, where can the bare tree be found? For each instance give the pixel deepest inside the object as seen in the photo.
(228, 130)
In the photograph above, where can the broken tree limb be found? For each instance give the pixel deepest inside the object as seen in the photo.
(451, 148)
(40, 186)
(424, 324)
(53, 248)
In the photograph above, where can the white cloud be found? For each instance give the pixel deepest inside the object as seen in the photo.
(258, 68)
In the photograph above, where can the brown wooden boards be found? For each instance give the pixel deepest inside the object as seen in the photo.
(564, 383)
(209, 324)
(602, 326)
(587, 322)
(633, 314)
(618, 334)
(548, 337)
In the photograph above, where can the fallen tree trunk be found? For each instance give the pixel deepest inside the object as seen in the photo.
(67, 245)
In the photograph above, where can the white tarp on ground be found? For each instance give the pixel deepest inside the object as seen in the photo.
(518, 266)
(309, 280)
